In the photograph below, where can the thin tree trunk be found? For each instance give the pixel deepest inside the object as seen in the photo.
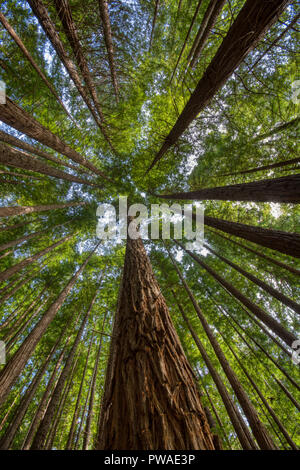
(285, 189)
(265, 167)
(260, 255)
(48, 26)
(25, 161)
(156, 8)
(260, 432)
(65, 14)
(26, 53)
(12, 211)
(40, 437)
(16, 117)
(104, 14)
(252, 22)
(15, 365)
(267, 319)
(15, 226)
(235, 417)
(148, 371)
(70, 440)
(186, 38)
(11, 140)
(87, 435)
(211, 15)
(4, 275)
(266, 287)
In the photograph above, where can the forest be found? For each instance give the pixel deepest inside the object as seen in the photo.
(144, 343)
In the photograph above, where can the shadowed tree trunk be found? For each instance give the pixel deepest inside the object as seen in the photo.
(26, 53)
(25, 161)
(11, 140)
(242, 432)
(40, 437)
(252, 22)
(261, 434)
(16, 117)
(15, 365)
(149, 386)
(104, 14)
(266, 287)
(259, 254)
(21, 210)
(156, 8)
(65, 14)
(4, 275)
(285, 190)
(267, 319)
(265, 167)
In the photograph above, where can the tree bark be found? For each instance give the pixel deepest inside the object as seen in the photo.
(16, 117)
(25, 161)
(149, 384)
(15, 365)
(252, 22)
(260, 432)
(285, 189)
(12, 211)
(273, 324)
(104, 14)
(266, 287)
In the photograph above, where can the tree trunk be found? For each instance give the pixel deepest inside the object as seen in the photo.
(12, 211)
(4, 275)
(211, 15)
(259, 254)
(252, 22)
(70, 440)
(265, 167)
(149, 386)
(16, 117)
(87, 435)
(15, 365)
(260, 432)
(156, 8)
(266, 287)
(48, 26)
(25, 161)
(284, 242)
(26, 53)
(284, 190)
(65, 14)
(235, 417)
(104, 14)
(11, 140)
(40, 437)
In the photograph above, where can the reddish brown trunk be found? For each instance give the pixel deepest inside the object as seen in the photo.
(104, 14)
(21, 210)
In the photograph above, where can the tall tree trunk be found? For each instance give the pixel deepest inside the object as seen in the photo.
(265, 167)
(242, 432)
(211, 15)
(26, 53)
(267, 319)
(40, 437)
(87, 434)
(278, 129)
(16, 117)
(15, 226)
(260, 432)
(12, 211)
(25, 401)
(65, 14)
(156, 8)
(285, 189)
(284, 242)
(259, 254)
(25, 161)
(48, 26)
(15, 365)
(4, 275)
(15, 142)
(104, 14)
(71, 434)
(252, 22)
(266, 287)
(186, 38)
(149, 384)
